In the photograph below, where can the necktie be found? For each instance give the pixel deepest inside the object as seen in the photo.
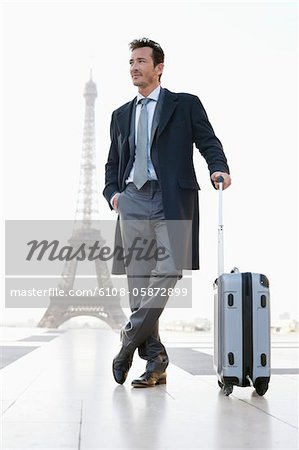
(140, 169)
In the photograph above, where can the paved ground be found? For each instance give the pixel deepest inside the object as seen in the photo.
(58, 393)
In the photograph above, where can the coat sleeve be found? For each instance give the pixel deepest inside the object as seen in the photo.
(111, 167)
(205, 139)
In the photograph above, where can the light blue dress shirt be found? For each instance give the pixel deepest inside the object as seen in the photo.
(151, 106)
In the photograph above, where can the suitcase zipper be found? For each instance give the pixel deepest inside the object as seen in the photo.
(247, 369)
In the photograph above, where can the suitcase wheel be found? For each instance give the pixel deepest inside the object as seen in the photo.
(226, 388)
(261, 387)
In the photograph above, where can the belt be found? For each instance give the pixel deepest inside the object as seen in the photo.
(150, 186)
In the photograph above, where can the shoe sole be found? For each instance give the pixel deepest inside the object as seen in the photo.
(162, 381)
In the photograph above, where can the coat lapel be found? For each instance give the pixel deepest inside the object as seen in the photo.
(124, 121)
(168, 107)
(132, 129)
(157, 115)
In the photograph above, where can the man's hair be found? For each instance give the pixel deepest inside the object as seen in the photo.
(158, 54)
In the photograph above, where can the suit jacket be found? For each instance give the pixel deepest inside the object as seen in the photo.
(182, 123)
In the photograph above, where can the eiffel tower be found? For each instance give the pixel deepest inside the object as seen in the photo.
(86, 230)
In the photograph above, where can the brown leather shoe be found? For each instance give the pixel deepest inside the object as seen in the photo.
(150, 379)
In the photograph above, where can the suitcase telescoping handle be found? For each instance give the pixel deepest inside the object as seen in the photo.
(220, 180)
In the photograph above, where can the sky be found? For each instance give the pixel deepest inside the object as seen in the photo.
(240, 58)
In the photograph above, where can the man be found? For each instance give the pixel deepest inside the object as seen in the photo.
(151, 183)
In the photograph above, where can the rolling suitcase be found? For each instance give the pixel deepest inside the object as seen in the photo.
(241, 325)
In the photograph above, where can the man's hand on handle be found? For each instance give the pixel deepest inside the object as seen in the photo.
(226, 179)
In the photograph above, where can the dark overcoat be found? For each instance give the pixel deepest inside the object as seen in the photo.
(182, 123)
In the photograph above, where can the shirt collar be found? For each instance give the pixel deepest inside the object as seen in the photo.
(154, 95)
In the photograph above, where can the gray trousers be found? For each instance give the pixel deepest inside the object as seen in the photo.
(150, 274)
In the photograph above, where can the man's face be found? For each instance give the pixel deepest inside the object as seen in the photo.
(143, 72)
